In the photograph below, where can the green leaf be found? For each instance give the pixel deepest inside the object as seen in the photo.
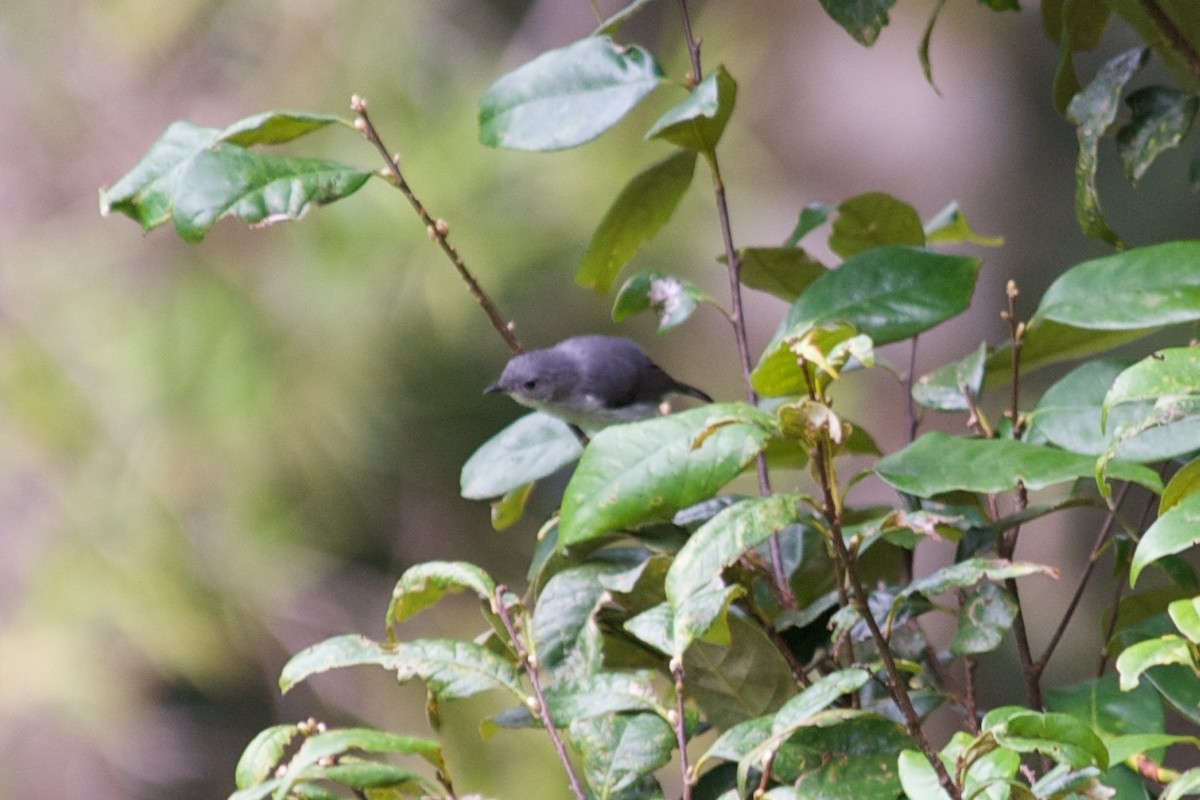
(862, 19)
(697, 123)
(926, 40)
(872, 220)
(424, 584)
(826, 350)
(1176, 683)
(1186, 616)
(1157, 285)
(736, 742)
(674, 300)
(332, 744)
(851, 757)
(811, 217)
(649, 470)
(602, 693)
(1137, 658)
(950, 226)
(1174, 532)
(937, 463)
(449, 669)
(888, 293)
(567, 96)
(1069, 416)
(1073, 25)
(918, 777)
(1121, 748)
(1059, 736)
(1101, 704)
(192, 176)
(823, 693)
(1172, 374)
(640, 210)
(1161, 118)
(620, 750)
(968, 573)
(263, 755)
(1186, 784)
(507, 510)
(533, 447)
(949, 387)
(1047, 342)
(782, 271)
(364, 775)
(1185, 482)
(721, 541)
(1092, 111)
(738, 681)
(985, 615)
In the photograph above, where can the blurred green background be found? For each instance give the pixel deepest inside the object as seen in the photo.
(212, 456)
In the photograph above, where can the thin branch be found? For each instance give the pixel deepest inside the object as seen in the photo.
(437, 229)
(1093, 558)
(543, 713)
(1172, 36)
(681, 728)
(783, 589)
(1111, 628)
(969, 665)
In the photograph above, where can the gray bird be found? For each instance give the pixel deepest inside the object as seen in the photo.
(590, 381)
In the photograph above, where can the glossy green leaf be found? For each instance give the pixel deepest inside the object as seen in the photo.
(533, 447)
(812, 216)
(697, 123)
(737, 741)
(621, 750)
(826, 349)
(449, 669)
(1185, 482)
(852, 757)
(602, 693)
(1161, 118)
(872, 220)
(937, 463)
(640, 210)
(888, 293)
(567, 96)
(1170, 374)
(1166, 650)
(1174, 532)
(1111, 712)
(1092, 111)
(722, 540)
(1059, 736)
(508, 510)
(1069, 415)
(815, 698)
(1176, 683)
(862, 19)
(672, 299)
(918, 777)
(950, 226)
(264, 754)
(193, 176)
(986, 614)
(334, 743)
(703, 616)
(738, 681)
(424, 584)
(782, 271)
(649, 470)
(1186, 616)
(949, 387)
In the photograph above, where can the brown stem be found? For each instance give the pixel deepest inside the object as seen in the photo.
(437, 229)
(1172, 36)
(535, 682)
(783, 589)
(969, 665)
(681, 728)
(1111, 628)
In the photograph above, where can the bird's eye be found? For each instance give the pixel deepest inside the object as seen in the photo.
(530, 385)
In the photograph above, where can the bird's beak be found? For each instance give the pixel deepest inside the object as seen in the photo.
(493, 388)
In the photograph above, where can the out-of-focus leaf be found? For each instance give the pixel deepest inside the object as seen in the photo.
(640, 210)
(948, 387)
(783, 271)
(1186, 784)
(862, 19)
(424, 584)
(449, 669)
(1073, 25)
(534, 446)
(1092, 111)
(650, 470)
(1111, 712)
(621, 750)
(986, 614)
(719, 542)
(1161, 118)
(872, 220)
(330, 744)
(567, 96)
(823, 693)
(937, 463)
(507, 510)
(1059, 736)
(697, 123)
(918, 778)
(614, 22)
(674, 300)
(1185, 482)
(263, 755)
(852, 757)
(1186, 616)
(811, 217)
(738, 681)
(926, 39)
(950, 226)
(1173, 532)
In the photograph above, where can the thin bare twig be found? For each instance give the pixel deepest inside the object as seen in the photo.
(685, 768)
(733, 261)
(1120, 589)
(437, 229)
(543, 713)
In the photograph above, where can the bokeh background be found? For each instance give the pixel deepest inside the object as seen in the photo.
(214, 455)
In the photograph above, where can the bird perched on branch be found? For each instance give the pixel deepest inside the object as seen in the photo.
(590, 381)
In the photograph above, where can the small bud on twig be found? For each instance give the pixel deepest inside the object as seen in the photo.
(358, 103)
